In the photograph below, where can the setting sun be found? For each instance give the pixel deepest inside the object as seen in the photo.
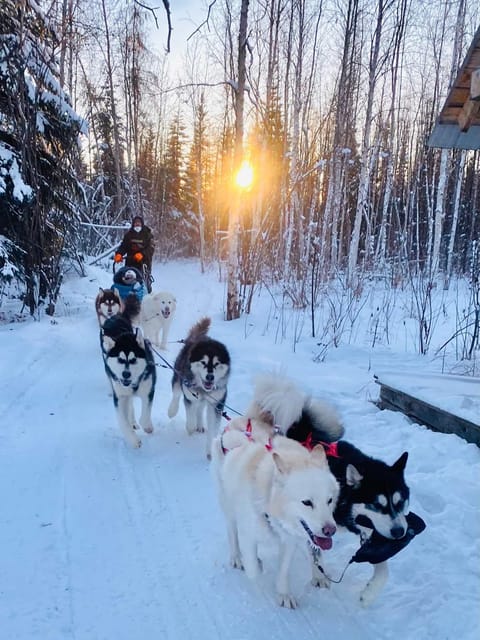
(244, 177)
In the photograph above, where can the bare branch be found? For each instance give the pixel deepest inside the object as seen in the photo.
(166, 4)
(205, 22)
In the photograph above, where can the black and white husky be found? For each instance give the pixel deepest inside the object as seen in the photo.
(130, 367)
(200, 375)
(373, 499)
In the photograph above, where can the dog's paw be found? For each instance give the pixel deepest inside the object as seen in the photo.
(136, 443)
(136, 426)
(148, 428)
(368, 596)
(321, 582)
(172, 409)
(286, 600)
(200, 429)
(236, 563)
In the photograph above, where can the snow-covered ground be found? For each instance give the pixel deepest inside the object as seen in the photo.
(102, 542)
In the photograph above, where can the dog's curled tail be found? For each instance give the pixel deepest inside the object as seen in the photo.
(199, 330)
(318, 423)
(131, 307)
(325, 421)
(276, 400)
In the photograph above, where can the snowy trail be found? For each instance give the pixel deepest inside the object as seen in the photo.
(102, 542)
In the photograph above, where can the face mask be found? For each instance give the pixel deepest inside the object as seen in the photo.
(137, 229)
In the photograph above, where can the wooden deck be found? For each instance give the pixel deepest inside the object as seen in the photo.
(424, 412)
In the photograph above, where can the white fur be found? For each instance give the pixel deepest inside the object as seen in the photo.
(156, 316)
(253, 481)
(278, 396)
(200, 410)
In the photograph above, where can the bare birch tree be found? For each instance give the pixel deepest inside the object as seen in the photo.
(233, 300)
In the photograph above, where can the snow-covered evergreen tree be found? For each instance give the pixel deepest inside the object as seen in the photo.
(39, 135)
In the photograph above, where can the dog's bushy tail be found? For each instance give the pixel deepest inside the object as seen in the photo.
(319, 421)
(276, 400)
(199, 330)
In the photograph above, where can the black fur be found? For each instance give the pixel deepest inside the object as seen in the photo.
(122, 322)
(198, 345)
(377, 476)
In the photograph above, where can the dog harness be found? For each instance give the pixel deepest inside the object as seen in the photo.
(331, 448)
(248, 434)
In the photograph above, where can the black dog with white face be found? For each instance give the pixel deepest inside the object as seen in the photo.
(374, 496)
(372, 489)
(200, 375)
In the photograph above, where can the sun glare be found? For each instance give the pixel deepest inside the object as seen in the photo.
(244, 177)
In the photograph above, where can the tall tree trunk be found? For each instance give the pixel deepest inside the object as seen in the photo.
(233, 299)
(456, 208)
(111, 90)
(439, 213)
(362, 207)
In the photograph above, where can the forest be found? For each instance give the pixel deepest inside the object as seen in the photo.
(328, 104)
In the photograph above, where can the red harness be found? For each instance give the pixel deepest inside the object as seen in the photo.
(331, 448)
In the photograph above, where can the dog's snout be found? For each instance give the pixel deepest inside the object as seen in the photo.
(397, 532)
(209, 377)
(126, 375)
(328, 530)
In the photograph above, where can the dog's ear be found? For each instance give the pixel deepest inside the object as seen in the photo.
(100, 290)
(353, 476)
(281, 464)
(399, 465)
(107, 342)
(319, 456)
(139, 338)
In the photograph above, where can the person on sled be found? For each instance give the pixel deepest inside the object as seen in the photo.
(137, 247)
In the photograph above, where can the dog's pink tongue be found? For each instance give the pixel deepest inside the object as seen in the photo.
(323, 543)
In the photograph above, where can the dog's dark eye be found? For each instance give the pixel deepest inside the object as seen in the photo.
(307, 503)
(133, 361)
(122, 361)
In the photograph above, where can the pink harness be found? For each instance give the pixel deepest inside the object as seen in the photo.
(248, 433)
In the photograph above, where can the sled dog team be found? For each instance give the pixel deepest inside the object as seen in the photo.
(284, 476)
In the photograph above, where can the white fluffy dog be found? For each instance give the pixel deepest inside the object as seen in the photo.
(156, 316)
(286, 491)
(270, 483)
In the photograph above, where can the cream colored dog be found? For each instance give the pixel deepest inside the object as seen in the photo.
(270, 484)
(286, 493)
(156, 316)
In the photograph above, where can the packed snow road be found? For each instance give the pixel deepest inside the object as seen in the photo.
(103, 542)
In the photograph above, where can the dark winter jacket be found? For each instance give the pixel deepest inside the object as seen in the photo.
(137, 242)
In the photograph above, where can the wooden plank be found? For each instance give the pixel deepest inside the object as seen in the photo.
(432, 417)
(475, 85)
(467, 115)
